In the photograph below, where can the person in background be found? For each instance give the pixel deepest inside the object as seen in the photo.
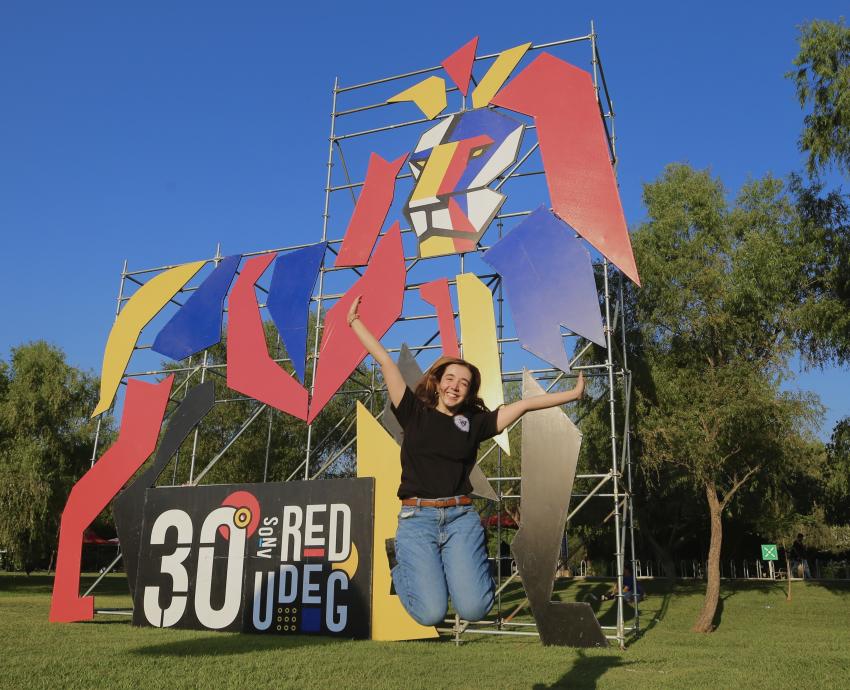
(632, 590)
(799, 559)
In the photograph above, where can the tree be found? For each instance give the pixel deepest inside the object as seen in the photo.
(45, 446)
(822, 79)
(714, 326)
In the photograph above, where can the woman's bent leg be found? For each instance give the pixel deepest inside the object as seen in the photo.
(418, 576)
(465, 563)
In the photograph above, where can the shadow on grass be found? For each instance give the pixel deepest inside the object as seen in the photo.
(42, 583)
(586, 671)
(834, 586)
(231, 644)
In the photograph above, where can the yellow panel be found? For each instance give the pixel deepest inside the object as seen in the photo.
(478, 335)
(429, 181)
(498, 73)
(436, 246)
(135, 315)
(349, 565)
(378, 457)
(429, 94)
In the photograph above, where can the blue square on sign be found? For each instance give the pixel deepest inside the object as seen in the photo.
(311, 620)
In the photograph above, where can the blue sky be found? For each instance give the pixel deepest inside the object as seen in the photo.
(151, 131)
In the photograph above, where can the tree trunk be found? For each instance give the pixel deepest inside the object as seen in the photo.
(705, 620)
(787, 571)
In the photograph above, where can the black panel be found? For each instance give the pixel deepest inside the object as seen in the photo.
(316, 595)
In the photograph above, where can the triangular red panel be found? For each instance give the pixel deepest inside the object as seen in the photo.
(382, 289)
(144, 407)
(370, 211)
(250, 369)
(458, 65)
(581, 180)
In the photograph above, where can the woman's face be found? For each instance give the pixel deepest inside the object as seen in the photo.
(453, 387)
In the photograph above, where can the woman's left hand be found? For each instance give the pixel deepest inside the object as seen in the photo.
(579, 389)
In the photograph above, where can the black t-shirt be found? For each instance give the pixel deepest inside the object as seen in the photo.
(438, 450)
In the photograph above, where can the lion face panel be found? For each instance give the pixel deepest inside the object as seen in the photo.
(453, 163)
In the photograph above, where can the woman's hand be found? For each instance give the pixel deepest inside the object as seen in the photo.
(352, 310)
(579, 388)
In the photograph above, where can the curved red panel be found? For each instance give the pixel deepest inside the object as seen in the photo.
(437, 294)
(382, 289)
(581, 180)
(144, 407)
(370, 211)
(250, 369)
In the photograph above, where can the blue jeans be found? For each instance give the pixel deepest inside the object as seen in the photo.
(440, 552)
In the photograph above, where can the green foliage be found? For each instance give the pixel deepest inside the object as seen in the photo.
(822, 321)
(836, 478)
(45, 446)
(822, 80)
(714, 326)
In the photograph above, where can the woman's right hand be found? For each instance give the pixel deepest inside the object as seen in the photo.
(352, 310)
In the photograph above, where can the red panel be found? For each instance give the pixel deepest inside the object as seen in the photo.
(382, 288)
(370, 211)
(458, 65)
(144, 407)
(436, 293)
(250, 369)
(460, 221)
(581, 180)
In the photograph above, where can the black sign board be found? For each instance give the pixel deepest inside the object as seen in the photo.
(281, 558)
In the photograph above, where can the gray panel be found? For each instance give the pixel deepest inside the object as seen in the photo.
(411, 373)
(129, 504)
(550, 449)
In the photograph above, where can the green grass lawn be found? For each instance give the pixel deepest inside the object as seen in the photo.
(761, 641)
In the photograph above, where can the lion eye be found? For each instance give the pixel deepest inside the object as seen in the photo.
(477, 151)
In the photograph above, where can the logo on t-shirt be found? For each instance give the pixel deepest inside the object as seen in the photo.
(461, 422)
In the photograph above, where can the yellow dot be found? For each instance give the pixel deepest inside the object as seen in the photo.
(278, 627)
(242, 517)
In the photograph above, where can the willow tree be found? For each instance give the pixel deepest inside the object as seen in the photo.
(719, 315)
(822, 80)
(45, 446)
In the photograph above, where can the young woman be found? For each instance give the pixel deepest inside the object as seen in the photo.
(439, 547)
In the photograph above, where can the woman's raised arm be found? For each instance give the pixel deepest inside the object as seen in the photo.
(392, 375)
(508, 414)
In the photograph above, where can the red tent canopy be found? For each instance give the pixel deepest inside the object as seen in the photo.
(89, 537)
(503, 519)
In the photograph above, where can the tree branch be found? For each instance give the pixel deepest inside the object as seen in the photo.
(737, 485)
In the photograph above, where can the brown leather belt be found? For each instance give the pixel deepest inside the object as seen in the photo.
(437, 503)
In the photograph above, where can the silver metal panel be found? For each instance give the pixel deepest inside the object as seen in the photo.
(550, 448)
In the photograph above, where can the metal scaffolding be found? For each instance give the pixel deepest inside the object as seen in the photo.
(367, 123)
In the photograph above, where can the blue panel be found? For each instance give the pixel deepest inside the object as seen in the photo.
(482, 121)
(289, 299)
(311, 620)
(197, 325)
(549, 281)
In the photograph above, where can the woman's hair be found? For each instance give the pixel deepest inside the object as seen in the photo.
(426, 389)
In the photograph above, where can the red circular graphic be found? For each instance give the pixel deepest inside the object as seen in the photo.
(243, 499)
